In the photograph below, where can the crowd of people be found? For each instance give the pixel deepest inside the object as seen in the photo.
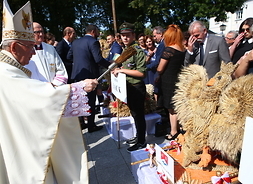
(60, 80)
(168, 50)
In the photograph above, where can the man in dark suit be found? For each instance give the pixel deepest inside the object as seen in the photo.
(158, 32)
(115, 48)
(205, 49)
(63, 47)
(87, 57)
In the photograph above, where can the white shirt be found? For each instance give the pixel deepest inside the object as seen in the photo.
(49, 65)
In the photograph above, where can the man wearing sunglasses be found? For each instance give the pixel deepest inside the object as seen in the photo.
(230, 37)
(246, 42)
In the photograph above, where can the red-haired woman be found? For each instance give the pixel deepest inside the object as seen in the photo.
(169, 67)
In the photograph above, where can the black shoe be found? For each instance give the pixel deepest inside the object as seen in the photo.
(136, 147)
(133, 140)
(94, 129)
(171, 137)
(105, 116)
(83, 126)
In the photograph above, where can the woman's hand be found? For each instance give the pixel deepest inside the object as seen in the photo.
(239, 38)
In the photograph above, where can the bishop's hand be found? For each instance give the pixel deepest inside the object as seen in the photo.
(90, 85)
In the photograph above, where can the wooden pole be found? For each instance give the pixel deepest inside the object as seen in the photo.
(118, 124)
(114, 17)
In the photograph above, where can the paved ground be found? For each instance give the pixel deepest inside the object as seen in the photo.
(109, 164)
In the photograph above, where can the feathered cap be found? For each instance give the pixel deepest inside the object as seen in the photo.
(17, 26)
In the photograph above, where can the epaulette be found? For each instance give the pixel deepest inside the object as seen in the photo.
(136, 46)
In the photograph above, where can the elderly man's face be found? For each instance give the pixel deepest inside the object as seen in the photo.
(199, 34)
(38, 33)
(23, 51)
(157, 36)
(229, 38)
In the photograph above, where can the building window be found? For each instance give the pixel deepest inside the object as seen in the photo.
(239, 14)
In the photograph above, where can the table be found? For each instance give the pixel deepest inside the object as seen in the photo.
(142, 173)
(127, 125)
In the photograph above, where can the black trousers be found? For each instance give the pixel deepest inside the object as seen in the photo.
(92, 102)
(135, 100)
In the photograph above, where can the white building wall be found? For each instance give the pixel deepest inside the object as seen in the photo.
(233, 22)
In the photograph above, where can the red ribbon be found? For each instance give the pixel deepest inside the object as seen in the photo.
(177, 145)
(162, 176)
(219, 180)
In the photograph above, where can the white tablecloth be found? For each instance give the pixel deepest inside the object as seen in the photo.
(142, 173)
(127, 125)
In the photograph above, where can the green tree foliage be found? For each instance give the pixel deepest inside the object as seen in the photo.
(54, 15)
(182, 12)
(215, 8)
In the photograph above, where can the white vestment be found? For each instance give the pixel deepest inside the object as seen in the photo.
(37, 145)
(49, 65)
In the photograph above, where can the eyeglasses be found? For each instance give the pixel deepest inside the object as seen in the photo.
(229, 38)
(28, 46)
(38, 32)
(247, 29)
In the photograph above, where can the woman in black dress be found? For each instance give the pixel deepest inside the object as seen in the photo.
(169, 67)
